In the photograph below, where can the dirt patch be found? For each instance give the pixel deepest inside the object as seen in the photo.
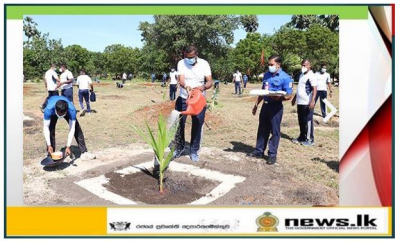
(32, 126)
(113, 97)
(151, 113)
(179, 188)
(148, 84)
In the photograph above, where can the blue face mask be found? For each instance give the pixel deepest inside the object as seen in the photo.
(191, 61)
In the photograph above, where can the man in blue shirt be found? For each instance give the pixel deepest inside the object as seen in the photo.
(59, 107)
(153, 77)
(272, 110)
(245, 79)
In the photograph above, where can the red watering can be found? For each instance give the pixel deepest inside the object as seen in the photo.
(195, 103)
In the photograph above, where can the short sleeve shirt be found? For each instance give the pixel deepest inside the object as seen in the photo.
(51, 79)
(65, 76)
(305, 88)
(237, 76)
(194, 75)
(173, 76)
(281, 81)
(83, 82)
(322, 80)
(50, 109)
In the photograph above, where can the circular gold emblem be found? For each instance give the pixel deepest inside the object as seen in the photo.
(267, 223)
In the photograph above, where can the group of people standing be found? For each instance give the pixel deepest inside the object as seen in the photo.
(195, 72)
(62, 107)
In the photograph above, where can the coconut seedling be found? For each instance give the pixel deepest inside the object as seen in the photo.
(159, 143)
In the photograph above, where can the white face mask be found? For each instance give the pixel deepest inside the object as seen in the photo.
(272, 69)
(60, 116)
(323, 70)
(303, 70)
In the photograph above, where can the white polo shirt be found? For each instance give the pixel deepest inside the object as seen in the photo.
(323, 80)
(237, 76)
(194, 75)
(83, 82)
(65, 76)
(304, 88)
(51, 79)
(173, 76)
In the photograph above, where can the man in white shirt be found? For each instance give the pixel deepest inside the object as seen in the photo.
(84, 83)
(324, 81)
(237, 80)
(173, 81)
(66, 80)
(193, 71)
(305, 97)
(51, 83)
(124, 76)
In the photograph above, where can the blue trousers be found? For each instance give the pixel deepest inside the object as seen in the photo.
(68, 93)
(237, 87)
(323, 95)
(84, 94)
(269, 128)
(305, 118)
(197, 128)
(172, 91)
(50, 94)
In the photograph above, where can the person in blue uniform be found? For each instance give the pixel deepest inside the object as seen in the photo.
(59, 107)
(245, 79)
(269, 127)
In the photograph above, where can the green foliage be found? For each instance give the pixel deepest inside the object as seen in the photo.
(76, 58)
(249, 23)
(306, 21)
(159, 143)
(314, 37)
(212, 34)
(120, 59)
(248, 51)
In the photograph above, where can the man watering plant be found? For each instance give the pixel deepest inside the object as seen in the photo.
(194, 73)
(59, 107)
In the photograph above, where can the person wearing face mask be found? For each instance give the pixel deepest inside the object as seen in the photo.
(323, 80)
(237, 80)
(51, 83)
(59, 107)
(305, 97)
(66, 80)
(194, 73)
(269, 127)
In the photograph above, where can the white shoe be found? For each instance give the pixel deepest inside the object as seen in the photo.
(88, 156)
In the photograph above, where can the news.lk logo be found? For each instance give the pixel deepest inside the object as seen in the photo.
(362, 221)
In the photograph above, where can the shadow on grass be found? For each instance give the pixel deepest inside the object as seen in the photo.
(334, 165)
(240, 147)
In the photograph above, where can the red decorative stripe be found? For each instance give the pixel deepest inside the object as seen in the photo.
(380, 145)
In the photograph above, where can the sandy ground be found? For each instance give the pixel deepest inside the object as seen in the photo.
(303, 176)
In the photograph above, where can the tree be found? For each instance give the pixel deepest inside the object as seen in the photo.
(248, 51)
(120, 59)
(303, 22)
(249, 23)
(212, 34)
(76, 58)
(322, 46)
(29, 28)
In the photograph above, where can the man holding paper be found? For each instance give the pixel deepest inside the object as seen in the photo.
(272, 110)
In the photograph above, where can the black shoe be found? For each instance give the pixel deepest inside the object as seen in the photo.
(271, 160)
(83, 112)
(254, 155)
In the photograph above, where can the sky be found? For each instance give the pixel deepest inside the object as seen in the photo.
(95, 32)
